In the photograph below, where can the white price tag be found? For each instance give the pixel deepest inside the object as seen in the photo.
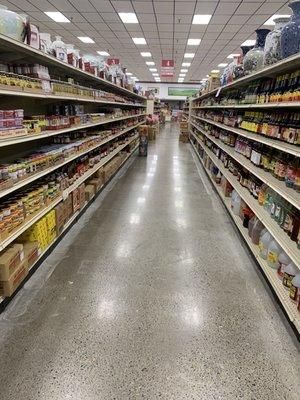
(65, 194)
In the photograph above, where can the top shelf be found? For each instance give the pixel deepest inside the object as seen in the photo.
(285, 65)
(10, 45)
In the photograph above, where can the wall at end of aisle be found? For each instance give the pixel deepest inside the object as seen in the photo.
(164, 89)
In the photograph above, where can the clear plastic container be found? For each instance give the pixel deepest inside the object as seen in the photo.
(237, 205)
(273, 253)
(264, 241)
(257, 230)
(251, 224)
(283, 261)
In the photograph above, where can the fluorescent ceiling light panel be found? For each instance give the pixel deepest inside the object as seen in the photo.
(128, 18)
(85, 39)
(139, 40)
(153, 69)
(193, 42)
(150, 62)
(180, 80)
(222, 65)
(103, 53)
(155, 74)
(201, 19)
(249, 42)
(182, 74)
(145, 54)
(184, 64)
(189, 55)
(129, 73)
(56, 16)
(270, 21)
(215, 71)
(233, 55)
(184, 70)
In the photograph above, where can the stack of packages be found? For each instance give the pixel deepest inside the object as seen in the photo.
(15, 262)
(184, 131)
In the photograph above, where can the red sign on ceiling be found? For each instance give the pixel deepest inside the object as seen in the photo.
(167, 63)
(113, 61)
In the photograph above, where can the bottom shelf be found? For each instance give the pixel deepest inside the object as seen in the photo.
(270, 274)
(67, 226)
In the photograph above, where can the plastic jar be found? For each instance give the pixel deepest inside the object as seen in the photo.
(295, 289)
(273, 253)
(283, 261)
(289, 273)
(264, 241)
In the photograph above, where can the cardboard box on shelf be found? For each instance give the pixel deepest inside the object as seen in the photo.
(214, 83)
(60, 213)
(31, 252)
(10, 259)
(68, 204)
(75, 200)
(81, 195)
(97, 183)
(8, 287)
(226, 187)
(89, 192)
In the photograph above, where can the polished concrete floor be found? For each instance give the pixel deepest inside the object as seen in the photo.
(151, 295)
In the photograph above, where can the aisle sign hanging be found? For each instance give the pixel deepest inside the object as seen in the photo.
(167, 68)
(113, 61)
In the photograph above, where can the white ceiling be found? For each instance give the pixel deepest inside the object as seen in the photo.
(165, 24)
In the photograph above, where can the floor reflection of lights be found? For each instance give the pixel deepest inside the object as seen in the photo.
(141, 200)
(177, 189)
(146, 187)
(178, 203)
(106, 309)
(123, 250)
(181, 222)
(135, 219)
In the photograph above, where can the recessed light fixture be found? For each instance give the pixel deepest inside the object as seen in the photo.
(85, 39)
(249, 42)
(150, 62)
(145, 54)
(103, 53)
(222, 65)
(155, 74)
(129, 73)
(128, 18)
(153, 69)
(139, 40)
(201, 19)
(185, 64)
(184, 70)
(270, 21)
(182, 75)
(233, 55)
(215, 71)
(56, 16)
(207, 76)
(189, 55)
(193, 42)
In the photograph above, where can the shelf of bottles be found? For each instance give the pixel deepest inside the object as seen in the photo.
(250, 132)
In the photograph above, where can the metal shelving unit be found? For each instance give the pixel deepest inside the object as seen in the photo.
(289, 194)
(198, 127)
(10, 45)
(22, 228)
(270, 274)
(277, 144)
(47, 171)
(9, 141)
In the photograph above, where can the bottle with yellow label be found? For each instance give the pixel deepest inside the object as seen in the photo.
(273, 253)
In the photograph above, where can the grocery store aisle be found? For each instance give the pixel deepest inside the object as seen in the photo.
(150, 296)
